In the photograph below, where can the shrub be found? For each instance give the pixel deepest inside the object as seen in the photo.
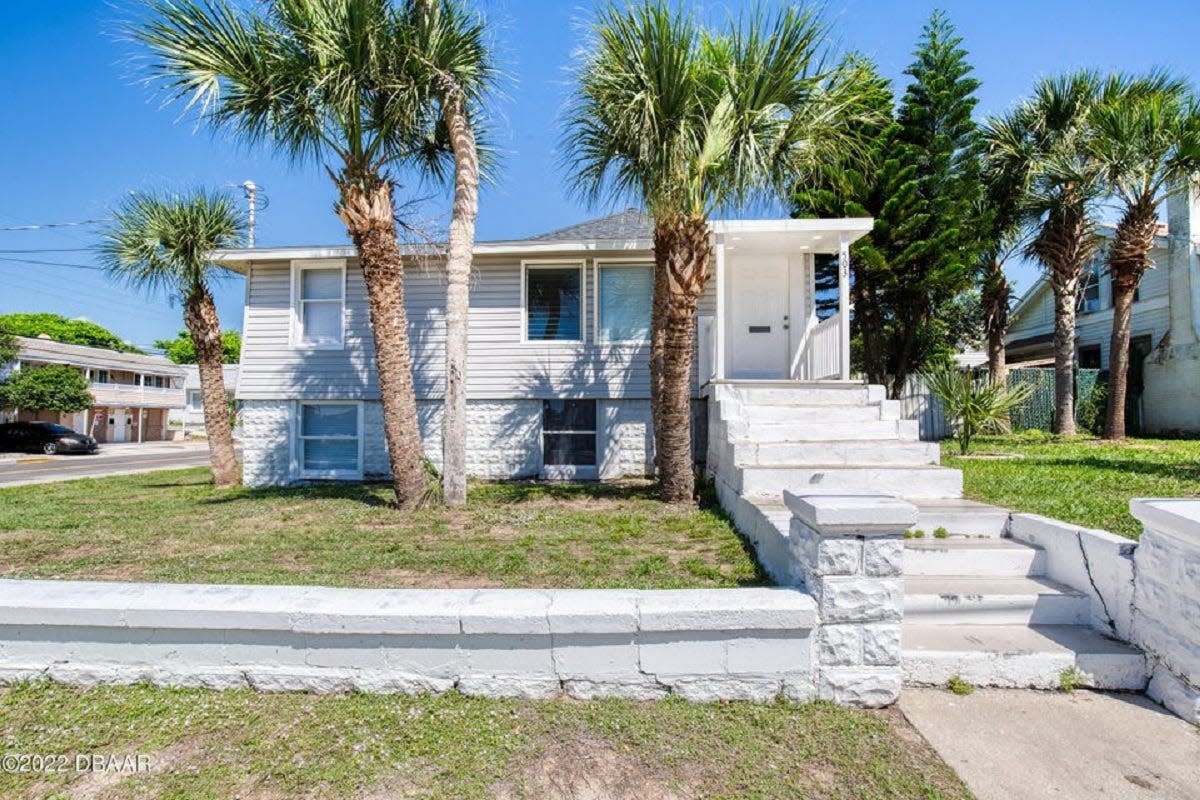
(972, 403)
(50, 388)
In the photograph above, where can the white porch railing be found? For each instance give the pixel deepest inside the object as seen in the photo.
(125, 394)
(820, 358)
(706, 340)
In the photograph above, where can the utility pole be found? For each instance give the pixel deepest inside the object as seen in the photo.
(251, 194)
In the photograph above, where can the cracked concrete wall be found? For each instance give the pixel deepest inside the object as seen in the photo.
(1166, 622)
(1095, 562)
(704, 645)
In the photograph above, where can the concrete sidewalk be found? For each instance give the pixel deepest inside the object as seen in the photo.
(1023, 745)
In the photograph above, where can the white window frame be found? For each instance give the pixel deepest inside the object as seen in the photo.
(617, 263)
(535, 264)
(296, 338)
(298, 444)
(199, 406)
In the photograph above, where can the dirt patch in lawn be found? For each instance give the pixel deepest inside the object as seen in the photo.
(589, 768)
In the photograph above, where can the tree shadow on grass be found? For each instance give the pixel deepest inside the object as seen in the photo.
(1186, 472)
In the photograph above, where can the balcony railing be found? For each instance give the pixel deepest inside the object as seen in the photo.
(132, 394)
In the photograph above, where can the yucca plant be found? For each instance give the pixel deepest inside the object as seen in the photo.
(972, 403)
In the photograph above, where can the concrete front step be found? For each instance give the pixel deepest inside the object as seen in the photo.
(784, 393)
(817, 431)
(906, 481)
(979, 557)
(976, 600)
(888, 410)
(961, 517)
(1017, 656)
(886, 452)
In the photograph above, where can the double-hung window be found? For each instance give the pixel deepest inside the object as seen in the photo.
(624, 293)
(329, 440)
(553, 302)
(319, 292)
(569, 433)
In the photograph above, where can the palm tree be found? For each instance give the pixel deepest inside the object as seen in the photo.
(161, 242)
(1042, 143)
(686, 122)
(331, 81)
(1146, 142)
(453, 53)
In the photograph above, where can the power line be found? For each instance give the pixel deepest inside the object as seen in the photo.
(49, 250)
(50, 263)
(46, 225)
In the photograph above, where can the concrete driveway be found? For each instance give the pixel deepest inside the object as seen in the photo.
(1009, 744)
(113, 459)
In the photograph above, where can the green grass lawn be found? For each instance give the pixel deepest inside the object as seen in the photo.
(173, 526)
(206, 744)
(1085, 481)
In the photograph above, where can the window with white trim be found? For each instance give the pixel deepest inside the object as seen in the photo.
(320, 295)
(569, 433)
(624, 294)
(194, 401)
(554, 303)
(329, 440)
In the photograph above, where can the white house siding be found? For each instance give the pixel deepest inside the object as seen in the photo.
(500, 365)
(507, 378)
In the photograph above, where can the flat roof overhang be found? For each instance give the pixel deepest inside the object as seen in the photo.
(804, 235)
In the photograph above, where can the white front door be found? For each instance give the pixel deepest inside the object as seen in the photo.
(117, 425)
(758, 320)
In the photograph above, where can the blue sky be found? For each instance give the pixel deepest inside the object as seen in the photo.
(80, 130)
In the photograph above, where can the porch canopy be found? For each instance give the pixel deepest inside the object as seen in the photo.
(766, 324)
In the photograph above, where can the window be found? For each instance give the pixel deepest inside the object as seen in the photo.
(1089, 296)
(1089, 357)
(102, 376)
(624, 294)
(554, 303)
(320, 294)
(329, 439)
(194, 400)
(569, 433)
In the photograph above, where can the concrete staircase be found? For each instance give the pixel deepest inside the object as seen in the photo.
(977, 605)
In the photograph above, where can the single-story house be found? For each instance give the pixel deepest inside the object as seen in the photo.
(558, 374)
(1164, 374)
(132, 393)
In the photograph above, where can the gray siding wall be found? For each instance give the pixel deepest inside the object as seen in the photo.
(500, 365)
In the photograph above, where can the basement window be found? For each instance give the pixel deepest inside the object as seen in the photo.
(330, 445)
(569, 433)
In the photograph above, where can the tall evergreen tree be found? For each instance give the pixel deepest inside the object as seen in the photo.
(932, 260)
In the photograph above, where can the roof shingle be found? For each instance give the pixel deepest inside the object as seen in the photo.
(627, 224)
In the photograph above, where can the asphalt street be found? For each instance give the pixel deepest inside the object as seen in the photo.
(116, 460)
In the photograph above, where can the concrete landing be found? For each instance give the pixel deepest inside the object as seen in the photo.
(1023, 745)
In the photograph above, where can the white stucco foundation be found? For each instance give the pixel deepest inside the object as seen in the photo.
(504, 439)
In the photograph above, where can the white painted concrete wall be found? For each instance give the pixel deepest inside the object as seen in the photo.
(1166, 601)
(705, 645)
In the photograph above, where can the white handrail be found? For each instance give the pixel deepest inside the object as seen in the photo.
(820, 358)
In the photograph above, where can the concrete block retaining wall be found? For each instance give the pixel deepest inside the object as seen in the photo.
(751, 644)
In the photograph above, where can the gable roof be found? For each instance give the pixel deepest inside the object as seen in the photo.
(624, 225)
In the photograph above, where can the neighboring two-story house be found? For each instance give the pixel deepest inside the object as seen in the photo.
(558, 374)
(1164, 376)
(132, 393)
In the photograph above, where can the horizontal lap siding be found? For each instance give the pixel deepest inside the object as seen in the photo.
(500, 365)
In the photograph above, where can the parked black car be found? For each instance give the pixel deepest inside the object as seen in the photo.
(44, 437)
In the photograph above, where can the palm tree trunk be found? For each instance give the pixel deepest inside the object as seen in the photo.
(660, 298)
(994, 297)
(458, 275)
(682, 252)
(366, 208)
(200, 317)
(1127, 262)
(1065, 298)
